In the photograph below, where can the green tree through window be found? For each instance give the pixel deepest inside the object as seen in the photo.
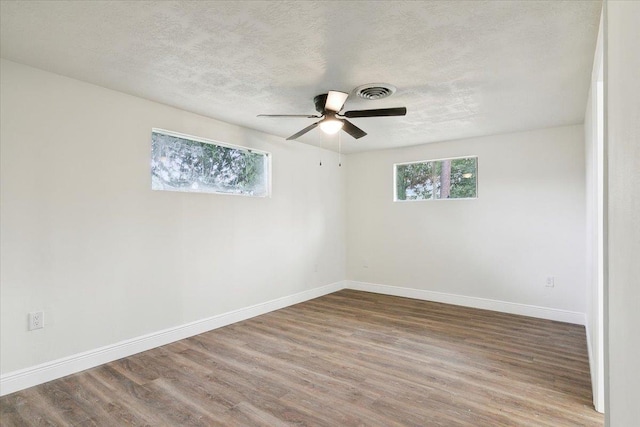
(437, 179)
(179, 163)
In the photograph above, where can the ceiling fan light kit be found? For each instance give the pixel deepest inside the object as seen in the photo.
(331, 126)
(331, 121)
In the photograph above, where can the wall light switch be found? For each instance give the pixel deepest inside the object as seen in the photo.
(551, 282)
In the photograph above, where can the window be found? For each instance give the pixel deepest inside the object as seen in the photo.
(186, 163)
(436, 179)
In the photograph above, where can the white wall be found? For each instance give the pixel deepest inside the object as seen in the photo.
(594, 180)
(527, 223)
(85, 239)
(622, 139)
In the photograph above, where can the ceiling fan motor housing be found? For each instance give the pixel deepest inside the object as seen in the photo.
(320, 101)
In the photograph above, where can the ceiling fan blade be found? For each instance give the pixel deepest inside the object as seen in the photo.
(380, 112)
(335, 100)
(353, 130)
(303, 131)
(306, 116)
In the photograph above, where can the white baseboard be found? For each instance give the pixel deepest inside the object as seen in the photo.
(24, 378)
(475, 302)
(29, 377)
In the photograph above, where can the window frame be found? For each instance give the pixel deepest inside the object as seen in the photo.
(267, 154)
(395, 177)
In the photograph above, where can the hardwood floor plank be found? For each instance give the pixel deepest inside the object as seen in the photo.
(245, 414)
(29, 408)
(350, 359)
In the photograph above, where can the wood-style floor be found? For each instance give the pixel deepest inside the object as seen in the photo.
(346, 359)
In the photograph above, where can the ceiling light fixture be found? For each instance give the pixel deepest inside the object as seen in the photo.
(331, 126)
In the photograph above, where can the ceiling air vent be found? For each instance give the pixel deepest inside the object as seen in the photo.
(374, 91)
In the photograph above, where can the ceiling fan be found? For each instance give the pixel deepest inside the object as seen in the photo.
(329, 106)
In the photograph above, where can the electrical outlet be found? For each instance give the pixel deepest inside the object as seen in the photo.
(36, 320)
(551, 282)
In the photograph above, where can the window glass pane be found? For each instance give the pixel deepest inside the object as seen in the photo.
(437, 179)
(182, 164)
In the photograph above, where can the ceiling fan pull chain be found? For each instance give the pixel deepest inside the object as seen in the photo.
(339, 150)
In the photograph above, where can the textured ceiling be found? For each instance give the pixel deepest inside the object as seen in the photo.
(462, 69)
